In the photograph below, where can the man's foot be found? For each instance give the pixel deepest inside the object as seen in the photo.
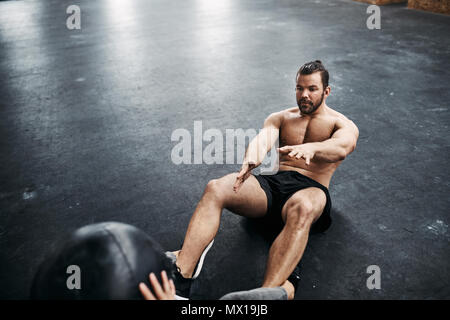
(289, 288)
(182, 284)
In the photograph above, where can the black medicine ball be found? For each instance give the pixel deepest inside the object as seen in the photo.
(101, 261)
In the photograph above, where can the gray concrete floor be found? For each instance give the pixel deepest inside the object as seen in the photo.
(86, 118)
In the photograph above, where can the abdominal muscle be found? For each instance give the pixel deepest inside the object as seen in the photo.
(318, 171)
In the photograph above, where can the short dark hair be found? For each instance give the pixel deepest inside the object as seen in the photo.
(315, 66)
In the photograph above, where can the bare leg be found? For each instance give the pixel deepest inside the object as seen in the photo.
(249, 201)
(285, 253)
(299, 212)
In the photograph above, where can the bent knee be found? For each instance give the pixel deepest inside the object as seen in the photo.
(213, 188)
(212, 185)
(219, 188)
(300, 214)
(221, 184)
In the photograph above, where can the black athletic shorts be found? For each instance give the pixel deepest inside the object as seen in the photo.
(281, 186)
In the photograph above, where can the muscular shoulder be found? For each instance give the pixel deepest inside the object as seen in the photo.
(277, 118)
(342, 122)
(286, 114)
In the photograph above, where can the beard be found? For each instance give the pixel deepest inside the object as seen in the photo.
(308, 107)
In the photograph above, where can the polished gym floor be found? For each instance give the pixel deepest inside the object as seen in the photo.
(87, 117)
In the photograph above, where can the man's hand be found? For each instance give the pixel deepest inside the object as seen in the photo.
(243, 175)
(166, 292)
(305, 151)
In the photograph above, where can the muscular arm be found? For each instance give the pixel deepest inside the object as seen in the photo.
(340, 145)
(264, 141)
(258, 148)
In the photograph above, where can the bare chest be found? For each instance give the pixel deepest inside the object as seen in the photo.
(303, 130)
